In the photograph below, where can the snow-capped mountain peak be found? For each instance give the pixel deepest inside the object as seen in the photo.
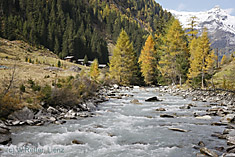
(213, 19)
(220, 25)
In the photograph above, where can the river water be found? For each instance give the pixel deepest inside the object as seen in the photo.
(122, 129)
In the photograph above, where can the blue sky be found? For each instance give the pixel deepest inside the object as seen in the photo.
(198, 5)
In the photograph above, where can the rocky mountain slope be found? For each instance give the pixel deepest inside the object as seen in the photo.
(220, 25)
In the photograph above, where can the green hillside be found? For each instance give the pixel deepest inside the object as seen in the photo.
(225, 77)
(79, 28)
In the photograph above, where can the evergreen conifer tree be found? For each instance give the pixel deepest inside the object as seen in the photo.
(191, 31)
(174, 50)
(85, 60)
(123, 64)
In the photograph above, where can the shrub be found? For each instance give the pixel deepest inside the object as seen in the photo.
(22, 88)
(36, 88)
(8, 104)
(47, 76)
(59, 64)
(31, 82)
(45, 94)
(70, 78)
(29, 100)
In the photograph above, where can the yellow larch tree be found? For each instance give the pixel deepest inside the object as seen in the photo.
(202, 58)
(94, 71)
(147, 61)
(223, 60)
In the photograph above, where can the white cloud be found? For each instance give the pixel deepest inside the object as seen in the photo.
(229, 10)
(181, 6)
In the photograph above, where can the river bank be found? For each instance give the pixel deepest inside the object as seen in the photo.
(51, 115)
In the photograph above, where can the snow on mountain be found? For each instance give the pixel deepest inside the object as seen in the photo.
(220, 25)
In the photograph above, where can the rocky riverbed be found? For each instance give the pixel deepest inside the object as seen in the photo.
(160, 121)
(221, 104)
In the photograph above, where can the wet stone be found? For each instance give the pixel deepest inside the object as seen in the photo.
(208, 152)
(135, 101)
(77, 142)
(201, 144)
(167, 116)
(219, 149)
(177, 129)
(231, 149)
(160, 109)
(153, 99)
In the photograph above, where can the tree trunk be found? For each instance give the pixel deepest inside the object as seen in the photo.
(180, 81)
(202, 79)
(213, 85)
(203, 65)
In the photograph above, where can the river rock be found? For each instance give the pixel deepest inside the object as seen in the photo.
(70, 115)
(219, 136)
(228, 155)
(153, 99)
(91, 106)
(22, 115)
(167, 116)
(135, 101)
(5, 139)
(206, 117)
(17, 122)
(231, 149)
(226, 131)
(219, 148)
(84, 114)
(52, 110)
(29, 122)
(160, 109)
(142, 143)
(115, 86)
(219, 124)
(177, 129)
(5, 134)
(52, 119)
(208, 152)
(228, 118)
(201, 144)
(111, 135)
(185, 107)
(77, 142)
(231, 140)
(200, 155)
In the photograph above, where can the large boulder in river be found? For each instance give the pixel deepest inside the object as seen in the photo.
(22, 115)
(153, 99)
